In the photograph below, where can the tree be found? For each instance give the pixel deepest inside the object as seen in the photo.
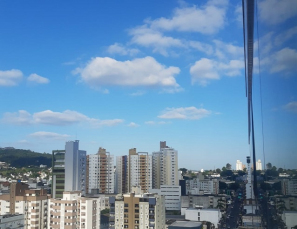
(228, 166)
(269, 165)
(184, 171)
(218, 170)
(280, 170)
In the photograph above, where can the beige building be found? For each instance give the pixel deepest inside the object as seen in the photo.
(100, 172)
(32, 203)
(165, 167)
(137, 211)
(134, 170)
(74, 211)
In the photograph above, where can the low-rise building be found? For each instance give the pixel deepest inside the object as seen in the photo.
(12, 221)
(290, 218)
(209, 215)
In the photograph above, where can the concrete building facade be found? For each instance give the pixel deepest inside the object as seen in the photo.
(137, 211)
(165, 167)
(210, 215)
(75, 167)
(33, 204)
(58, 173)
(12, 221)
(74, 211)
(100, 172)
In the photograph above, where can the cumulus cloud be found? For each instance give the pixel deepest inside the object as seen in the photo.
(291, 107)
(206, 70)
(207, 19)
(133, 124)
(49, 117)
(227, 50)
(49, 135)
(274, 12)
(145, 72)
(121, 50)
(138, 93)
(200, 46)
(155, 123)
(147, 37)
(285, 36)
(38, 79)
(191, 113)
(284, 60)
(10, 77)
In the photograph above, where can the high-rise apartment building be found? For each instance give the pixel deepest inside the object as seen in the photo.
(165, 167)
(137, 211)
(75, 167)
(239, 165)
(134, 170)
(32, 203)
(74, 212)
(258, 165)
(100, 172)
(58, 173)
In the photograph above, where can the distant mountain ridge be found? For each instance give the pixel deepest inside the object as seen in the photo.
(23, 158)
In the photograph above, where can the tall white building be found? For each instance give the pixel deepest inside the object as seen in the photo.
(74, 211)
(137, 211)
(75, 167)
(100, 172)
(258, 165)
(165, 167)
(239, 165)
(134, 170)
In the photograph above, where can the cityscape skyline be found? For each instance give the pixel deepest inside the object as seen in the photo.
(128, 75)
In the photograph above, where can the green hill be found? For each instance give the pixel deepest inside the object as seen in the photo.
(23, 158)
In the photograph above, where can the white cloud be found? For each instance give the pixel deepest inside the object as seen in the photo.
(133, 124)
(138, 93)
(206, 48)
(49, 117)
(155, 123)
(206, 70)
(284, 60)
(291, 107)
(274, 12)
(184, 113)
(49, 135)
(21, 117)
(10, 77)
(38, 79)
(145, 72)
(117, 48)
(147, 37)
(238, 14)
(203, 71)
(224, 50)
(207, 19)
(285, 36)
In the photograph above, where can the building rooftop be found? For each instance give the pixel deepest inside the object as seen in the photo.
(189, 224)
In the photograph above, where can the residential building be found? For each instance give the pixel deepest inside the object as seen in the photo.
(201, 201)
(258, 165)
(200, 185)
(165, 167)
(134, 170)
(12, 221)
(137, 211)
(290, 218)
(289, 187)
(209, 215)
(74, 211)
(30, 203)
(58, 173)
(286, 202)
(75, 167)
(239, 165)
(172, 194)
(100, 172)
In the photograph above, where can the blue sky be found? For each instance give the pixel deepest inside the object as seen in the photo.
(129, 74)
